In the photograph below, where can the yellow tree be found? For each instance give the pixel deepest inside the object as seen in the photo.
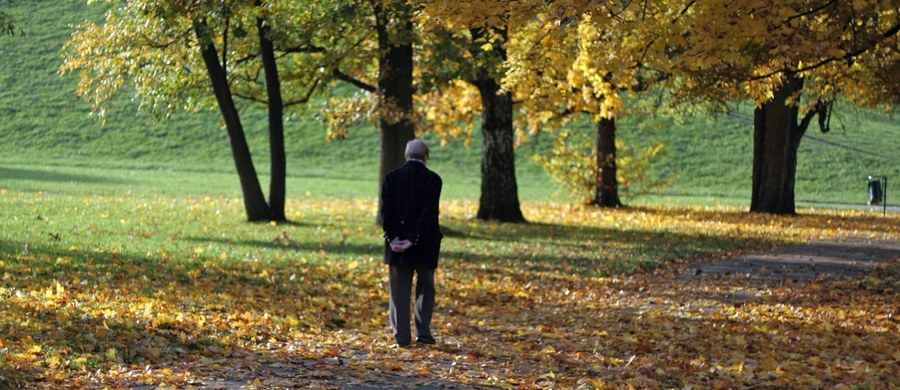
(170, 52)
(565, 60)
(793, 58)
(464, 48)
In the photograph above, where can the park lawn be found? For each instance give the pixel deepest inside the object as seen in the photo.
(171, 289)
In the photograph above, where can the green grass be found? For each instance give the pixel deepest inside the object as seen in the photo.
(712, 158)
(46, 131)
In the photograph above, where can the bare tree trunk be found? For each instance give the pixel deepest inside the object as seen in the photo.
(254, 201)
(277, 183)
(607, 190)
(395, 86)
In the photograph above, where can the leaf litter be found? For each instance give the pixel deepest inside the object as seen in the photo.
(579, 298)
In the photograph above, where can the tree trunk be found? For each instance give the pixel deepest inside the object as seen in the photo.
(499, 191)
(254, 201)
(776, 139)
(607, 190)
(395, 86)
(277, 183)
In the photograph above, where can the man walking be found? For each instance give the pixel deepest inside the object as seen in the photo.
(410, 198)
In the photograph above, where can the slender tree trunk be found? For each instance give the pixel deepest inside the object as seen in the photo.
(254, 201)
(395, 86)
(607, 191)
(277, 183)
(499, 190)
(777, 136)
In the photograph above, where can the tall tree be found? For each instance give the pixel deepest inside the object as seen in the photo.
(170, 51)
(793, 58)
(499, 199)
(275, 104)
(254, 202)
(389, 99)
(394, 26)
(556, 72)
(467, 41)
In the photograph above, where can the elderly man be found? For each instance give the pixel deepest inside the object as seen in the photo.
(409, 208)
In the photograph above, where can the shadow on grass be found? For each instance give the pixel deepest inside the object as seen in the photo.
(287, 244)
(48, 176)
(583, 249)
(129, 308)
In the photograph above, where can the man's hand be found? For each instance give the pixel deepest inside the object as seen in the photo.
(399, 246)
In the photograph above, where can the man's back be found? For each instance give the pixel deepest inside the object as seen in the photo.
(410, 208)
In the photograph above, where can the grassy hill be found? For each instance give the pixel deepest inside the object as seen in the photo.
(45, 130)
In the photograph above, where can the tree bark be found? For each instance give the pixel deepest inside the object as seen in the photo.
(277, 183)
(395, 86)
(607, 186)
(254, 202)
(776, 139)
(499, 190)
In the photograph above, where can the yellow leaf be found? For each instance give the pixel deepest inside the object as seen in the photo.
(768, 363)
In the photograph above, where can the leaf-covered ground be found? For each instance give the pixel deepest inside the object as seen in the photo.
(139, 292)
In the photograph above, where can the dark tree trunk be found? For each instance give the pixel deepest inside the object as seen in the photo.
(607, 190)
(499, 191)
(395, 86)
(254, 201)
(776, 139)
(277, 183)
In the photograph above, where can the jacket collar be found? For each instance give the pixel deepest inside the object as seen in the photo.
(415, 162)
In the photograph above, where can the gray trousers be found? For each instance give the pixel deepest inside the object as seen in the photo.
(401, 277)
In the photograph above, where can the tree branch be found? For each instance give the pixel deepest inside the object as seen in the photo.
(810, 12)
(225, 40)
(356, 82)
(303, 49)
(249, 97)
(804, 124)
(848, 56)
(308, 96)
(684, 11)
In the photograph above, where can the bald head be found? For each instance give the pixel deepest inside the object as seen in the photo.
(416, 150)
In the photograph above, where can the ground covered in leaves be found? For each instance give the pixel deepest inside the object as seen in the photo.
(102, 292)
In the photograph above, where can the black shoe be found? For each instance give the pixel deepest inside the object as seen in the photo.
(426, 340)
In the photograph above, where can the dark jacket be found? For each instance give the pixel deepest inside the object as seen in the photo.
(410, 199)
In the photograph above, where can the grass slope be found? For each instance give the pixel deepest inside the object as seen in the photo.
(45, 130)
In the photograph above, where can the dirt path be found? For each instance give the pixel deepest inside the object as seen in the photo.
(851, 256)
